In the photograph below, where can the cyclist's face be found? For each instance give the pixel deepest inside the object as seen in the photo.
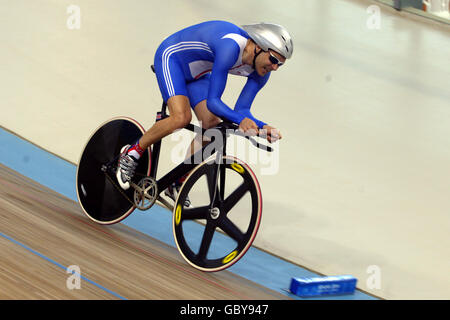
(265, 63)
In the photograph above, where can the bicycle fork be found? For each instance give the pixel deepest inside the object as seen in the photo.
(221, 153)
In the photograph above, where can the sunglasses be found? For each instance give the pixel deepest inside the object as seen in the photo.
(274, 60)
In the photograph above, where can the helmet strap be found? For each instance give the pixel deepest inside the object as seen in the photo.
(254, 58)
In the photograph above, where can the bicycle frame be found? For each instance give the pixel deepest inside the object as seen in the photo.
(184, 168)
(189, 164)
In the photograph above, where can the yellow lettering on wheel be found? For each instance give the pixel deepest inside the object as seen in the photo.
(238, 168)
(230, 257)
(178, 215)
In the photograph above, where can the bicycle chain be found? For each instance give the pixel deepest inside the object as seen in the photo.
(113, 182)
(119, 188)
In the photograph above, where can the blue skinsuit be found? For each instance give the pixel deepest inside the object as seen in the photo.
(195, 62)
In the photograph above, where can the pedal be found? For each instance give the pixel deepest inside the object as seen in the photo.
(319, 286)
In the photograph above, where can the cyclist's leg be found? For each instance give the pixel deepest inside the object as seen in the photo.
(172, 85)
(180, 116)
(198, 91)
(208, 120)
(206, 117)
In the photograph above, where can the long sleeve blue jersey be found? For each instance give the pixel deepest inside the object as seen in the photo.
(196, 61)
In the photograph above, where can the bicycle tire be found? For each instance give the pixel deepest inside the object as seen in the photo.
(223, 224)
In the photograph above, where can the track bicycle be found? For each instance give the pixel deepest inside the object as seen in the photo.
(221, 223)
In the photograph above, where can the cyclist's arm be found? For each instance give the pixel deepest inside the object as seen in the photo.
(248, 94)
(227, 53)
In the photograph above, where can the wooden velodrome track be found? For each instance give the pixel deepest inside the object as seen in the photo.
(43, 232)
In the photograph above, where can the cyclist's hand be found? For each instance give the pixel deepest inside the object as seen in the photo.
(273, 134)
(249, 127)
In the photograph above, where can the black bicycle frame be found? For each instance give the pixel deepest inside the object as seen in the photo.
(184, 168)
(189, 164)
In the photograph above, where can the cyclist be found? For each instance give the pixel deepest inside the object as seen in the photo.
(192, 66)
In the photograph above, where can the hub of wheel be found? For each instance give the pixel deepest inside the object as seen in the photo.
(214, 212)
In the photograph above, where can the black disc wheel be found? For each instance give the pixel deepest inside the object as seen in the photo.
(220, 224)
(99, 194)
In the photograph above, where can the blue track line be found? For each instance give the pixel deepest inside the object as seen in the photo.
(60, 265)
(60, 175)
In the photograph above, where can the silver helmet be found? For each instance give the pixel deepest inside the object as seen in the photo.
(271, 36)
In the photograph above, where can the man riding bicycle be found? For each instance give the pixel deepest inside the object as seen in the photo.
(192, 67)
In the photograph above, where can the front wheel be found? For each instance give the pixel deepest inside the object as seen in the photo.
(219, 226)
